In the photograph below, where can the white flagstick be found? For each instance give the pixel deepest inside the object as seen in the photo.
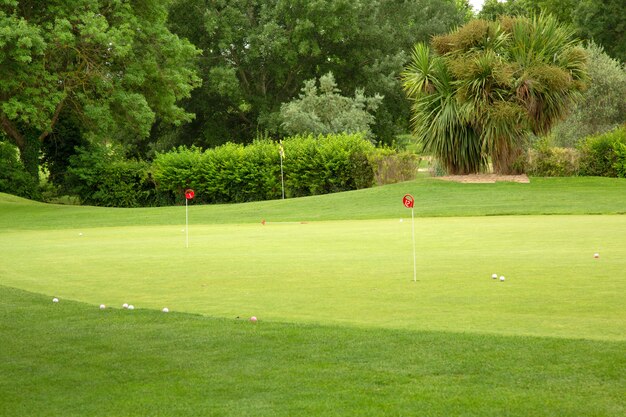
(186, 223)
(282, 178)
(414, 256)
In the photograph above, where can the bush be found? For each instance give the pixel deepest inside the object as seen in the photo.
(391, 166)
(101, 176)
(602, 155)
(13, 177)
(327, 164)
(548, 161)
(232, 173)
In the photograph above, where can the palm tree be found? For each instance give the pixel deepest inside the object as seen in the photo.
(486, 86)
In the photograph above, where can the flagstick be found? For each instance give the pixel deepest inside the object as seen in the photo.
(282, 179)
(414, 259)
(186, 223)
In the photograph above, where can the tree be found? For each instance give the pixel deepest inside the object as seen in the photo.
(602, 106)
(487, 85)
(112, 62)
(328, 112)
(257, 54)
(605, 23)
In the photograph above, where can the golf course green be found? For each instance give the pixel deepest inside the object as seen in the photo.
(344, 326)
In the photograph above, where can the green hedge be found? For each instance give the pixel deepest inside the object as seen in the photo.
(13, 177)
(603, 155)
(234, 173)
(548, 161)
(101, 176)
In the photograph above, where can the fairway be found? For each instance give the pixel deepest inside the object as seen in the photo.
(343, 328)
(349, 272)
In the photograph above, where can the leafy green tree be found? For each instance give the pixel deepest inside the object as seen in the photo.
(487, 85)
(605, 23)
(325, 111)
(258, 53)
(112, 62)
(602, 106)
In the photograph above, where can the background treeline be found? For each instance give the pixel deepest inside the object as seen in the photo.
(127, 82)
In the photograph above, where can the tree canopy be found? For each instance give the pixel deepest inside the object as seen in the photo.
(112, 62)
(258, 53)
(487, 85)
(324, 111)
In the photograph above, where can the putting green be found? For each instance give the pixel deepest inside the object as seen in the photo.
(358, 273)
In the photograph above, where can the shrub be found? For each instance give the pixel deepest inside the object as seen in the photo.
(601, 155)
(391, 166)
(101, 176)
(234, 173)
(13, 177)
(548, 161)
(327, 164)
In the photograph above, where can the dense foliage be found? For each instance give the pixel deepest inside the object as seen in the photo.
(602, 106)
(114, 63)
(258, 53)
(233, 173)
(324, 111)
(487, 85)
(13, 177)
(604, 155)
(101, 176)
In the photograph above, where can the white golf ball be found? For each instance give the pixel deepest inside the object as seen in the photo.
(55, 300)
(125, 305)
(401, 220)
(596, 255)
(102, 306)
(494, 276)
(131, 307)
(253, 319)
(502, 278)
(166, 310)
(80, 234)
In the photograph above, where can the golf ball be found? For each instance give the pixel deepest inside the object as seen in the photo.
(102, 306)
(596, 255)
(502, 278)
(125, 305)
(166, 310)
(131, 307)
(55, 300)
(253, 319)
(401, 220)
(494, 276)
(80, 234)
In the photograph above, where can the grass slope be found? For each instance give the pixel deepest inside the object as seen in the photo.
(72, 359)
(433, 198)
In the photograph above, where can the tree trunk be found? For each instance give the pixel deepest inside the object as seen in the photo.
(506, 159)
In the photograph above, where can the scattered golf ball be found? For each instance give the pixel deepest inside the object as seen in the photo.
(502, 278)
(494, 276)
(253, 319)
(166, 310)
(55, 300)
(125, 305)
(131, 307)
(102, 306)
(596, 255)
(80, 234)
(401, 220)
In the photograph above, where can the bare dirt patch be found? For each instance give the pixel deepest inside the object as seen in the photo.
(485, 178)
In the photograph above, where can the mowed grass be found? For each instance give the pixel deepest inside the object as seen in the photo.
(352, 272)
(72, 359)
(343, 328)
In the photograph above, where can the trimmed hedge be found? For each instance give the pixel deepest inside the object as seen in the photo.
(101, 176)
(234, 173)
(603, 155)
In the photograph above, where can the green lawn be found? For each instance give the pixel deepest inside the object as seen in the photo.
(343, 328)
